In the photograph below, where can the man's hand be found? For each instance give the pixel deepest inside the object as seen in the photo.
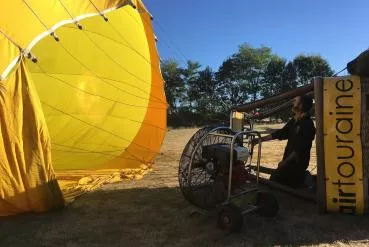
(262, 139)
(281, 164)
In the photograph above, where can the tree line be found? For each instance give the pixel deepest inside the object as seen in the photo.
(201, 96)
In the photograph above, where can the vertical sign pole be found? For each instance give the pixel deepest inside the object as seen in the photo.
(319, 106)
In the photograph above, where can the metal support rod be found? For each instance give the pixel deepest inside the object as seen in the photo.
(221, 135)
(258, 160)
(244, 192)
(319, 111)
(263, 102)
(249, 210)
(231, 168)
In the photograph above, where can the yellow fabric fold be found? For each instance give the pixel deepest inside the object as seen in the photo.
(27, 181)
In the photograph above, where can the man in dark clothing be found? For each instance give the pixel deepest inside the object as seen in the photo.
(300, 132)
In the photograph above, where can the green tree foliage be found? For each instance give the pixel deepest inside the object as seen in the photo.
(289, 77)
(174, 84)
(273, 78)
(241, 75)
(198, 95)
(279, 77)
(191, 77)
(208, 100)
(231, 88)
(308, 67)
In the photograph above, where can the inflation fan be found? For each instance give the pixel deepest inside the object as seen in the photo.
(216, 173)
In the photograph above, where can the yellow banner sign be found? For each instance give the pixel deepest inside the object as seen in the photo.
(342, 145)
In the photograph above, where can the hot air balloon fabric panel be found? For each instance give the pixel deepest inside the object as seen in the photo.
(23, 20)
(27, 180)
(97, 80)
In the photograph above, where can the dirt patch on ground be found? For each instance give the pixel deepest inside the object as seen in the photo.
(153, 212)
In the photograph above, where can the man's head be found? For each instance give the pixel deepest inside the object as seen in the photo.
(302, 104)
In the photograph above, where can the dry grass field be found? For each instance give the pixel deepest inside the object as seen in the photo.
(153, 212)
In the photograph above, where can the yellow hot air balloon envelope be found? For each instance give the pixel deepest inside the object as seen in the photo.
(80, 90)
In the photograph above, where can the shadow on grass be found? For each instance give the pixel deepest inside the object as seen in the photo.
(162, 217)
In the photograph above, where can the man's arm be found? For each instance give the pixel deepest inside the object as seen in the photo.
(281, 134)
(266, 138)
(293, 157)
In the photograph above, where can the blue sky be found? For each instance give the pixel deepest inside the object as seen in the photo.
(209, 31)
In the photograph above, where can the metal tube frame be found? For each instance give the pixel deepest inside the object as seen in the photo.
(234, 137)
(232, 158)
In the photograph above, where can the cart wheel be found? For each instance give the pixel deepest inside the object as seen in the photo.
(230, 219)
(267, 204)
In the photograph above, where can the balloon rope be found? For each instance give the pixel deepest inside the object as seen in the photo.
(101, 96)
(97, 46)
(96, 127)
(42, 23)
(339, 72)
(83, 65)
(105, 153)
(71, 16)
(123, 82)
(11, 40)
(101, 13)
